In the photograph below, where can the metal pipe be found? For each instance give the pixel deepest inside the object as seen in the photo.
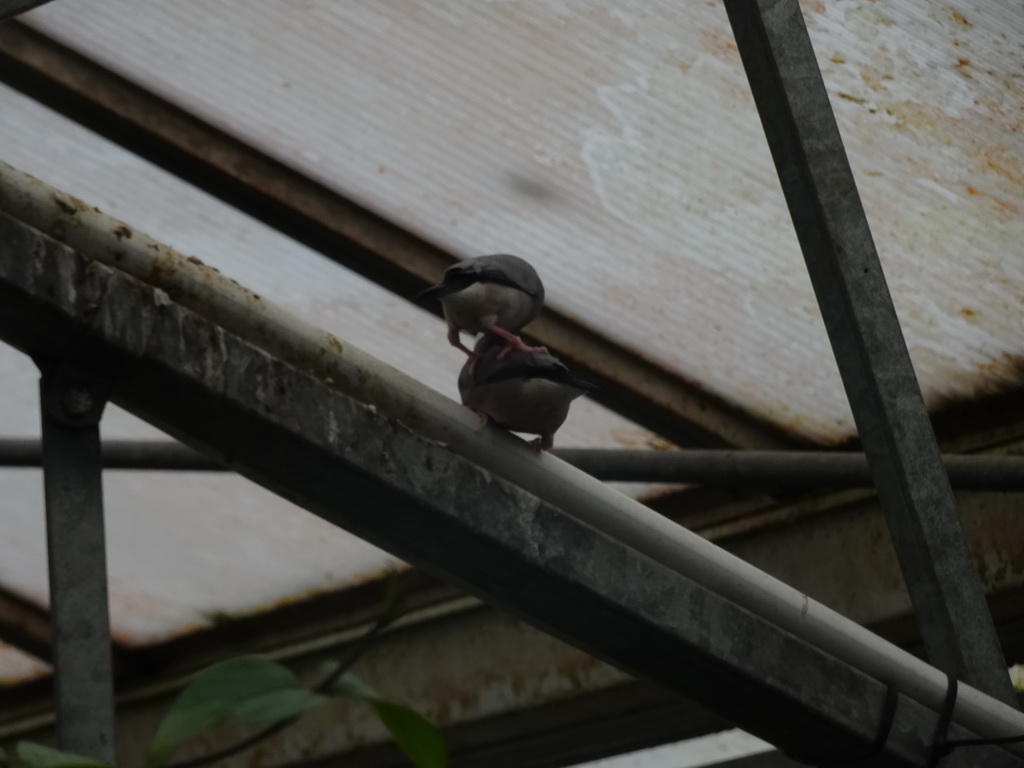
(949, 604)
(157, 455)
(11, 8)
(401, 398)
(725, 468)
(778, 469)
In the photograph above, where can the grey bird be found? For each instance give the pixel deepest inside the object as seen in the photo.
(526, 391)
(495, 295)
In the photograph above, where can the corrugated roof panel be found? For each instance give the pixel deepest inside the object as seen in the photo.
(355, 309)
(185, 551)
(616, 145)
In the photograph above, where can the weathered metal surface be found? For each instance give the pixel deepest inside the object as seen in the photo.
(72, 402)
(613, 143)
(866, 337)
(305, 209)
(350, 463)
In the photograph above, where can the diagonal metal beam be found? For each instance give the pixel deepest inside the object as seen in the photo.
(367, 470)
(867, 341)
(358, 239)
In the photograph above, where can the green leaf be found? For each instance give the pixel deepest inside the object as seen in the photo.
(351, 687)
(249, 688)
(277, 706)
(421, 742)
(38, 756)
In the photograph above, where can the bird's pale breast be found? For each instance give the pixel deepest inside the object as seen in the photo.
(480, 303)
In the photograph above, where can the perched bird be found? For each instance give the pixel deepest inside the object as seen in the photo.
(495, 295)
(527, 391)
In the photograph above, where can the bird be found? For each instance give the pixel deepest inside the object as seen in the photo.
(526, 391)
(496, 294)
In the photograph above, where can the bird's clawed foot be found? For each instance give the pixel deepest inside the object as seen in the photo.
(518, 345)
(543, 443)
(455, 341)
(512, 342)
(484, 418)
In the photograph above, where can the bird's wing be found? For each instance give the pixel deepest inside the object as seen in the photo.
(506, 269)
(456, 278)
(532, 365)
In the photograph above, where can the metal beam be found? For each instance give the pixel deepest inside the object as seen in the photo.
(76, 553)
(362, 467)
(327, 222)
(711, 467)
(854, 299)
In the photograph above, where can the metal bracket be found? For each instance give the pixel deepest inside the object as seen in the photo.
(71, 395)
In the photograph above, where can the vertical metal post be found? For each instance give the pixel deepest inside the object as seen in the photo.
(830, 223)
(72, 404)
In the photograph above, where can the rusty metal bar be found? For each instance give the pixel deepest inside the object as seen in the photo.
(11, 8)
(368, 448)
(358, 239)
(725, 468)
(867, 341)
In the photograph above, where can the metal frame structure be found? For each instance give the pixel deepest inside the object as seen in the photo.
(867, 341)
(678, 604)
(240, 399)
(515, 693)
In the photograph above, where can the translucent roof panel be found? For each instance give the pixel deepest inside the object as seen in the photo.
(165, 577)
(16, 667)
(615, 144)
(73, 159)
(184, 550)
